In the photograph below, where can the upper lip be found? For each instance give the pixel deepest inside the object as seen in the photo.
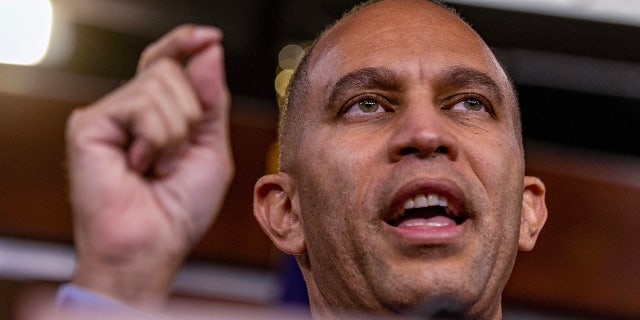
(456, 207)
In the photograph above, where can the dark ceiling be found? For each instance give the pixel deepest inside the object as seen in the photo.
(578, 80)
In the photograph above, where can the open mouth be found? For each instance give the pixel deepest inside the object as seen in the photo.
(430, 210)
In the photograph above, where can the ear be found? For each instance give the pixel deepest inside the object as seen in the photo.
(534, 212)
(276, 209)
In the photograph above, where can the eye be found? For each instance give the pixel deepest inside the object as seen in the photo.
(366, 105)
(471, 104)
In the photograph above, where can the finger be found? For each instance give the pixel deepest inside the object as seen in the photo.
(206, 71)
(180, 111)
(207, 74)
(172, 105)
(148, 139)
(179, 44)
(184, 98)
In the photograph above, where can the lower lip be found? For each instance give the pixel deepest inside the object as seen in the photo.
(429, 235)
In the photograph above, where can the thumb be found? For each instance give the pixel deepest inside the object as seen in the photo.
(206, 71)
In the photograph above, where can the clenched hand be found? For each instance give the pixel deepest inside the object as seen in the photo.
(150, 165)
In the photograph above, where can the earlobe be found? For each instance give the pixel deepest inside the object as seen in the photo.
(275, 209)
(534, 212)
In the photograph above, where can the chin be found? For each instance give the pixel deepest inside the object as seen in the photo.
(433, 296)
(449, 303)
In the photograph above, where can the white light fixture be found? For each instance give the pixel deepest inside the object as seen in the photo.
(25, 30)
(611, 11)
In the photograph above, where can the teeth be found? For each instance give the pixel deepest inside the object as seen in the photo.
(422, 201)
(409, 204)
(433, 199)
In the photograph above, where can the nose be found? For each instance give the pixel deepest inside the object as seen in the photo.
(422, 131)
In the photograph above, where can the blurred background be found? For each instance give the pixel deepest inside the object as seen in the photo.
(576, 65)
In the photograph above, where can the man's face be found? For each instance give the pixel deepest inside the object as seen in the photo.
(410, 171)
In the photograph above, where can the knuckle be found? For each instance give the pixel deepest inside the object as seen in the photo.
(176, 132)
(157, 139)
(144, 125)
(79, 126)
(194, 114)
(146, 55)
(74, 118)
(165, 68)
(73, 124)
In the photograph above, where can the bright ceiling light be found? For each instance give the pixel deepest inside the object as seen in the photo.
(612, 11)
(25, 29)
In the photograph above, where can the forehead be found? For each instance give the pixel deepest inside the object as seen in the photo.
(411, 37)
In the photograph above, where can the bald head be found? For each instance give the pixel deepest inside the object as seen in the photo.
(291, 121)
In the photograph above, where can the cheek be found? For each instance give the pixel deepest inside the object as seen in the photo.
(499, 166)
(325, 189)
(330, 214)
(333, 185)
(496, 158)
(334, 164)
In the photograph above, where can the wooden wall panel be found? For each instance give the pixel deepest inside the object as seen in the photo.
(33, 197)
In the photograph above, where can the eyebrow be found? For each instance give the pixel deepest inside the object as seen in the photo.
(385, 79)
(365, 78)
(461, 77)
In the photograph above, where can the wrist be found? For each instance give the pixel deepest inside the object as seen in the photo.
(143, 285)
